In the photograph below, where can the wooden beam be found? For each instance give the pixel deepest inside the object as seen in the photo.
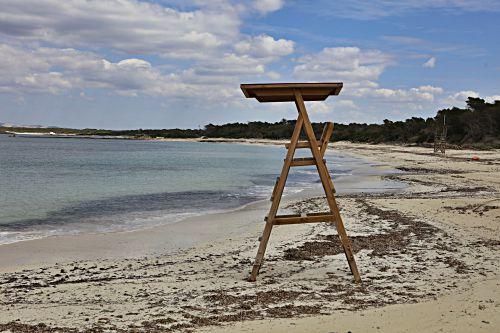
(274, 189)
(309, 218)
(325, 137)
(300, 144)
(284, 92)
(304, 161)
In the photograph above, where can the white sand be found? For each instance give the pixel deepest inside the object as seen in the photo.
(428, 257)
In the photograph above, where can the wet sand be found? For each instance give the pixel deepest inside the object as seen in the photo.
(428, 256)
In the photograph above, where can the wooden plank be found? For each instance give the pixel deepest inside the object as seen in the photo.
(299, 215)
(309, 218)
(325, 137)
(293, 85)
(284, 92)
(304, 161)
(300, 144)
(284, 215)
(331, 183)
(318, 213)
(274, 189)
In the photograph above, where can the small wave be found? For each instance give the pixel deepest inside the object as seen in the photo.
(14, 237)
(126, 212)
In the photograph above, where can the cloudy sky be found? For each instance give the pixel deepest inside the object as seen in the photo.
(172, 63)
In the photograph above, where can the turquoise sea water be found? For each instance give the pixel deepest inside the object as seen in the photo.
(52, 186)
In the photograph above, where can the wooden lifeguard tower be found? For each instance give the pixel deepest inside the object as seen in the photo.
(440, 138)
(298, 93)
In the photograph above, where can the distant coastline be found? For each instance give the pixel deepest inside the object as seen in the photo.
(122, 137)
(476, 126)
(62, 135)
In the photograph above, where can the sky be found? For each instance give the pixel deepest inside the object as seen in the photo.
(123, 64)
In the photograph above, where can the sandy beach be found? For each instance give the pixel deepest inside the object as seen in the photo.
(428, 256)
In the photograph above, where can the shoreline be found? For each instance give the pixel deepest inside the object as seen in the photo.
(253, 141)
(257, 141)
(430, 248)
(165, 238)
(42, 135)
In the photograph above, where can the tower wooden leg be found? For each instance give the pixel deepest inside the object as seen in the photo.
(262, 249)
(278, 192)
(346, 244)
(327, 186)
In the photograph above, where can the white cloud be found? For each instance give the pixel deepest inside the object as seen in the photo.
(360, 70)
(431, 89)
(492, 99)
(141, 48)
(52, 70)
(205, 49)
(264, 46)
(319, 108)
(56, 70)
(231, 65)
(459, 99)
(330, 105)
(422, 94)
(465, 94)
(20, 71)
(413, 94)
(431, 63)
(273, 75)
(347, 103)
(134, 64)
(128, 26)
(267, 6)
(349, 64)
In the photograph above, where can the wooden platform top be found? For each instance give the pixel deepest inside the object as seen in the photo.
(284, 92)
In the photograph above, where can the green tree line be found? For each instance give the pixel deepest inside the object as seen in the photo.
(476, 125)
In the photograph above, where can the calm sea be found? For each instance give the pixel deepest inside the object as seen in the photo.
(51, 186)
